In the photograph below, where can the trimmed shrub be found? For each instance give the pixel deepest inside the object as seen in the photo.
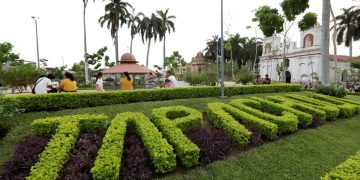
(304, 119)
(57, 151)
(265, 127)
(350, 169)
(346, 110)
(308, 108)
(287, 122)
(223, 120)
(337, 101)
(108, 162)
(336, 91)
(172, 123)
(56, 101)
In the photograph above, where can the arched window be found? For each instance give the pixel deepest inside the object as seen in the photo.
(308, 41)
(287, 62)
(267, 48)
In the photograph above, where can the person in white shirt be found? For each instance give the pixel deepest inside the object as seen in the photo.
(99, 82)
(171, 78)
(43, 83)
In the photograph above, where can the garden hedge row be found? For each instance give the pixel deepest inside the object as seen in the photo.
(307, 108)
(346, 109)
(108, 162)
(265, 127)
(40, 102)
(286, 123)
(223, 120)
(337, 101)
(304, 119)
(173, 122)
(350, 169)
(66, 130)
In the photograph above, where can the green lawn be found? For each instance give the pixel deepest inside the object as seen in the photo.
(306, 154)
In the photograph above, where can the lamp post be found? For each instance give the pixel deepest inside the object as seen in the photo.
(37, 40)
(222, 54)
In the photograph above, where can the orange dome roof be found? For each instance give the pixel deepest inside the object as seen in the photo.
(128, 57)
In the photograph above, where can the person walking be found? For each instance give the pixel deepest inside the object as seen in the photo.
(99, 82)
(126, 82)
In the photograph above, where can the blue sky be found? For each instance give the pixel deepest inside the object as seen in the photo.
(61, 30)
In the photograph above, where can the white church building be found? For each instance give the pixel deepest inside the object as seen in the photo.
(303, 62)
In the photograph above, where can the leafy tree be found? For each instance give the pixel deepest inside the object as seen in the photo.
(134, 25)
(6, 54)
(150, 28)
(272, 22)
(281, 68)
(348, 30)
(20, 76)
(167, 26)
(97, 59)
(79, 68)
(173, 62)
(116, 15)
(245, 76)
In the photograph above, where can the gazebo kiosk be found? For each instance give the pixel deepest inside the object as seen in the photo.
(127, 63)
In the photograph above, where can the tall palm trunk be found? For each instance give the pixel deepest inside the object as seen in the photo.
(164, 49)
(351, 48)
(117, 48)
(131, 43)
(334, 44)
(325, 41)
(147, 54)
(85, 46)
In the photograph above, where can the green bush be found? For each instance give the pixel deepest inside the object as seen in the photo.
(287, 122)
(223, 120)
(66, 130)
(336, 91)
(40, 102)
(245, 76)
(304, 119)
(205, 78)
(308, 108)
(337, 101)
(108, 162)
(265, 127)
(173, 130)
(350, 169)
(8, 108)
(346, 110)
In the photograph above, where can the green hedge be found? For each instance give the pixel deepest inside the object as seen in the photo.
(265, 127)
(57, 151)
(223, 120)
(108, 162)
(304, 119)
(39, 102)
(287, 122)
(173, 124)
(346, 110)
(308, 108)
(337, 101)
(350, 169)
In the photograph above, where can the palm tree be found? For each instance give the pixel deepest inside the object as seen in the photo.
(116, 15)
(134, 25)
(325, 40)
(167, 25)
(348, 29)
(150, 28)
(212, 48)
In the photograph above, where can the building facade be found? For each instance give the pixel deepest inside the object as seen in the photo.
(304, 62)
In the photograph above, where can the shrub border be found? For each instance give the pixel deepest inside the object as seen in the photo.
(349, 169)
(56, 101)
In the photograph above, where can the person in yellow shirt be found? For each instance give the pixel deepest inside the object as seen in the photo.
(126, 82)
(68, 84)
